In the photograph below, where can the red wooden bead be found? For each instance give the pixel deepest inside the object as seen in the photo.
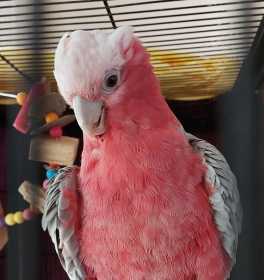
(28, 214)
(56, 131)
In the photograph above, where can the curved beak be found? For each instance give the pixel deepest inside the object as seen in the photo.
(90, 115)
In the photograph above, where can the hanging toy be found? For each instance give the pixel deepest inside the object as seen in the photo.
(40, 107)
(41, 115)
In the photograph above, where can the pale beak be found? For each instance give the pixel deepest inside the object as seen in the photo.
(90, 115)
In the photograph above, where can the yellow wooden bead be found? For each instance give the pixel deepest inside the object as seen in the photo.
(21, 97)
(18, 217)
(9, 219)
(51, 117)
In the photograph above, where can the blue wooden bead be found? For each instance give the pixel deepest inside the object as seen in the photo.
(51, 173)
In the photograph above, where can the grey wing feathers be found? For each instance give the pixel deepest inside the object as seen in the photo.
(56, 215)
(225, 199)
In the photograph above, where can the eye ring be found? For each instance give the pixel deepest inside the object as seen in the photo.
(111, 80)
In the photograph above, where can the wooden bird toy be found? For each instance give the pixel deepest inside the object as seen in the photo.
(42, 116)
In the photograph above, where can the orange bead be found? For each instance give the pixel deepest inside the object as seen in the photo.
(51, 117)
(21, 97)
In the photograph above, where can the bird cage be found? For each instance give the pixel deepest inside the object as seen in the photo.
(208, 57)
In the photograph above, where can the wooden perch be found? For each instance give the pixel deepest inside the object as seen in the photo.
(33, 194)
(62, 151)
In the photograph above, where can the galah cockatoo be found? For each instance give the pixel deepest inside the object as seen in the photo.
(149, 200)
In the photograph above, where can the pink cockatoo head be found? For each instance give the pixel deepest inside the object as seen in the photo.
(107, 78)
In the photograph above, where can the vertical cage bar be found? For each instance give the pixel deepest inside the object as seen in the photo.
(23, 250)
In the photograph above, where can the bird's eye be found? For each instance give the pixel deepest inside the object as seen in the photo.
(111, 80)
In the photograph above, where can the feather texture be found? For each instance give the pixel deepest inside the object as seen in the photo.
(60, 219)
(224, 197)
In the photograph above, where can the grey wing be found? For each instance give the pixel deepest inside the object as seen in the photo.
(225, 199)
(57, 219)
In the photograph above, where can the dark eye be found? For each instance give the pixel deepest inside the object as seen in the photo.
(111, 80)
